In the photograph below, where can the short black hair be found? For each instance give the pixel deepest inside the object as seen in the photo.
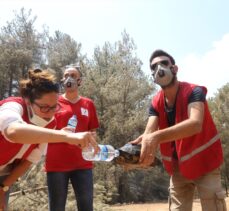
(160, 52)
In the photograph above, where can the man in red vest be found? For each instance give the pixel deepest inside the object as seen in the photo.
(181, 124)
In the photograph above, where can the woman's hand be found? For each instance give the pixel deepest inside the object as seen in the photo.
(85, 139)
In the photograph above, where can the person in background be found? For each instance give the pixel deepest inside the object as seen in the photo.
(27, 123)
(181, 124)
(71, 167)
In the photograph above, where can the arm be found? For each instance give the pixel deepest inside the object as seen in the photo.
(152, 125)
(18, 171)
(18, 132)
(186, 128)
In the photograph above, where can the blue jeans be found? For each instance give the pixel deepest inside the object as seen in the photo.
(82, 183)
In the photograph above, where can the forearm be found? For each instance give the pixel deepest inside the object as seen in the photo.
(17, 172)
(152, 125)
(181, 130)
(30, 134)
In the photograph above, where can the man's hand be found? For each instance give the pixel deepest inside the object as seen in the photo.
(137, 140)
(149, 148)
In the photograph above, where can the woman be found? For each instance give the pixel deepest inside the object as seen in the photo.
(26, 124)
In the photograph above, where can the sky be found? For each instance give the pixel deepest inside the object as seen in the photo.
(194, 32)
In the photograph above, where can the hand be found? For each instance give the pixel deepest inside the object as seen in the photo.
(2, 200)
(148, 150)
(86, 139)
(137, 140)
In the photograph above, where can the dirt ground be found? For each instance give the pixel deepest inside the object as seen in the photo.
(155, 206)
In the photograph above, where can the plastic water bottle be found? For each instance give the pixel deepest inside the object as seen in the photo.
(106, 153)
(72, 123)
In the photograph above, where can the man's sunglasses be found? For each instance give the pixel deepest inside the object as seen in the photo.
(163, 62)
(47, 108)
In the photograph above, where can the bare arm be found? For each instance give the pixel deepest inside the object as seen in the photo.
(18, 171)
(30, 134)
(152, 125)
(186, 128)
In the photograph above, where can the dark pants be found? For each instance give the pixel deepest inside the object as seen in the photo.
(82, 183)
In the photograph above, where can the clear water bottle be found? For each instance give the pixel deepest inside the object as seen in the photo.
(106, 153)
(72, 123)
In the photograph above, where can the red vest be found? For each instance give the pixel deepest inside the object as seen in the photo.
(197, 154)
(9, 149)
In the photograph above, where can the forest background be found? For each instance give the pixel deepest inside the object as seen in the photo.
(114, 79)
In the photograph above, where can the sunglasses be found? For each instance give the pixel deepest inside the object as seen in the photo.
(163, 62)
(47, 108)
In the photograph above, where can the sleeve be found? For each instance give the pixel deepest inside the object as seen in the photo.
(152, 111)
(10, 112)
(94, 122)
(197, 95)
(36, 154)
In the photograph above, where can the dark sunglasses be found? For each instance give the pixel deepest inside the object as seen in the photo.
(163, 62)
(47, 108)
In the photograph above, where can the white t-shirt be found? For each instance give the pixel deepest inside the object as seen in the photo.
(9, 113)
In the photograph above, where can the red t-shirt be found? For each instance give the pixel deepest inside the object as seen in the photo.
(66, 157)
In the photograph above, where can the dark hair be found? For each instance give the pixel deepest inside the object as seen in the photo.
(160, 52)
(38, 83)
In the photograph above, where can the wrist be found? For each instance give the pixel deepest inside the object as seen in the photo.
(156, 137)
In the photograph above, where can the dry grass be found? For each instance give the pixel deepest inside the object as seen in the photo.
(155, 206)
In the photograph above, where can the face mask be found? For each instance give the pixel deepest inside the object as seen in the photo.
(70, 83)
(36, 120)
(163, 76)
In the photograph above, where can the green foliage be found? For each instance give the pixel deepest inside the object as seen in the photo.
(62, 50)
(219, 106)
(21, 46)
(120, 90)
